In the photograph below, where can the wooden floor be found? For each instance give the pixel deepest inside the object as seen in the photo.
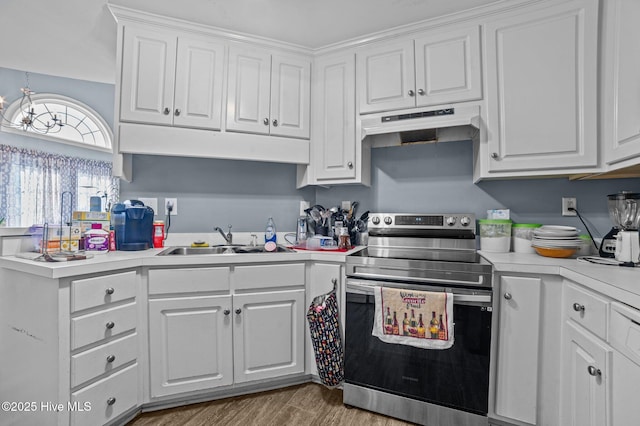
(307, 404)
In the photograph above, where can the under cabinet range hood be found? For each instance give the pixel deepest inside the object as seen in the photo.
(421, 125)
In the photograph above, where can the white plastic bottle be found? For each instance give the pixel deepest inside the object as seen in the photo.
(270, 233)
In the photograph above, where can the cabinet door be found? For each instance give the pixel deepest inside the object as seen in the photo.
(268, 334)
(198, 93)
(585, 381)
(248, 90)
(518, 344)
(448, 67)
(290, 96)
(386, 77)
(542, 87)
(148, 76)
(190, 344)
(621, 112)
(334, 132)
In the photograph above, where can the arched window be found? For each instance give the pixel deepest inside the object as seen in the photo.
(81, 125)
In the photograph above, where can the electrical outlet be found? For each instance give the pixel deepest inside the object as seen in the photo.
(173, 202)
(346, 205)
(567, 203)
(151, 202)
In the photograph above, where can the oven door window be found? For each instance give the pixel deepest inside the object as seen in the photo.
(457, 377)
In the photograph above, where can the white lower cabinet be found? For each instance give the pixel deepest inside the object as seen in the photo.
(587, 359)
(268, 334)
(525, 362)
(189, 344)
(218, 326)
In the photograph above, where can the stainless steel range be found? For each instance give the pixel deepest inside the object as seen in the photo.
(427, 252)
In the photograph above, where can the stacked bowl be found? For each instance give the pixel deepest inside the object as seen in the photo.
(556, 241)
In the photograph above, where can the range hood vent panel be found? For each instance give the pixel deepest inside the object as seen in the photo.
(418, 123)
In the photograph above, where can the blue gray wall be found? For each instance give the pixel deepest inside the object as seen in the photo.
(437, 178)
(427, 178)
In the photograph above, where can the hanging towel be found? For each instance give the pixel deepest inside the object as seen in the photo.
(417, 318)
(324, 326)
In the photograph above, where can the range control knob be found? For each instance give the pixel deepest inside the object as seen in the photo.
(388, 220)
(451, 220)
(465, 221)
(375, 220)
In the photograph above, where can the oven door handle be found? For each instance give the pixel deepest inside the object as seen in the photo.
(378, 276)
(463, 299)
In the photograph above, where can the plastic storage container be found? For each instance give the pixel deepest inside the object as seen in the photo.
(96, 239)
(495, 235)
(521, 236)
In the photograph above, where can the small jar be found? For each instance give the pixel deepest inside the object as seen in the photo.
(344, 241)
(521, 236)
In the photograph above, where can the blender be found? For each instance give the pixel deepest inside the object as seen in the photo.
(623, 242)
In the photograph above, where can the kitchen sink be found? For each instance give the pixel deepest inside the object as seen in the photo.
(223, 249)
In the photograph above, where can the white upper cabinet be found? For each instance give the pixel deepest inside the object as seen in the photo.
(621, 81)
(333, 133)
(436, 68)
(171, 79)
(268, 94)
(542, 89)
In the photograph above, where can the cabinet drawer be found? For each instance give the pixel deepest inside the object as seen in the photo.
(587, 309)
(97, 291)
(103, 359)
(624, 332)
(187, 280)
(268, 276)
(86, 329)
(108, 398)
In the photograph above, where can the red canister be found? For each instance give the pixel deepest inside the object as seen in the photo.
(158, 234)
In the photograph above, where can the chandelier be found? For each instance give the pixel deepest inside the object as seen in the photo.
(30, 116)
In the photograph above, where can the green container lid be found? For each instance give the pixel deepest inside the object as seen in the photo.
(526, 225)
(493, 221)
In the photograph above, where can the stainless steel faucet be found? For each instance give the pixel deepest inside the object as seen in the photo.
(228, 237)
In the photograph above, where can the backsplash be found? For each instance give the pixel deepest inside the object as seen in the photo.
(437, 178)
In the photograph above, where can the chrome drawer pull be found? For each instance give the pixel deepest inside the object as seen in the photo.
(109, 290)
(110, 325)
(238, 311)
(594, 371)
(507, 296)
(111, 401)
(111, 358)
(578, 307)
(226, 312)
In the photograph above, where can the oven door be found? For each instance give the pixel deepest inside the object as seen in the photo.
(457, 377)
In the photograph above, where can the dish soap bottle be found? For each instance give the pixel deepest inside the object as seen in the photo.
(270, 232)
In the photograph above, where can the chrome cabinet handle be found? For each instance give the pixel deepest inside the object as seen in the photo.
(350, 165)
(420, 92)
(111, 358)
(177, 112)
(110, 325)
(109, 290)
(226, 312)
(166, 111)
(238, 311)
(507, 296)
(111, 401)
(265, 121)
(578, 307)
(495, 155)
(593, 371)
(275, 123)
(411, 93)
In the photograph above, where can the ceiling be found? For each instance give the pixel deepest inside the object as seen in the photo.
(76, 38)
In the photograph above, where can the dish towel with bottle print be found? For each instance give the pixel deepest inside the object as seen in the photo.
(417, 318)
(325, 337)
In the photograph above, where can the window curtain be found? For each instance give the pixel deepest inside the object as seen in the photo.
(38, 187)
